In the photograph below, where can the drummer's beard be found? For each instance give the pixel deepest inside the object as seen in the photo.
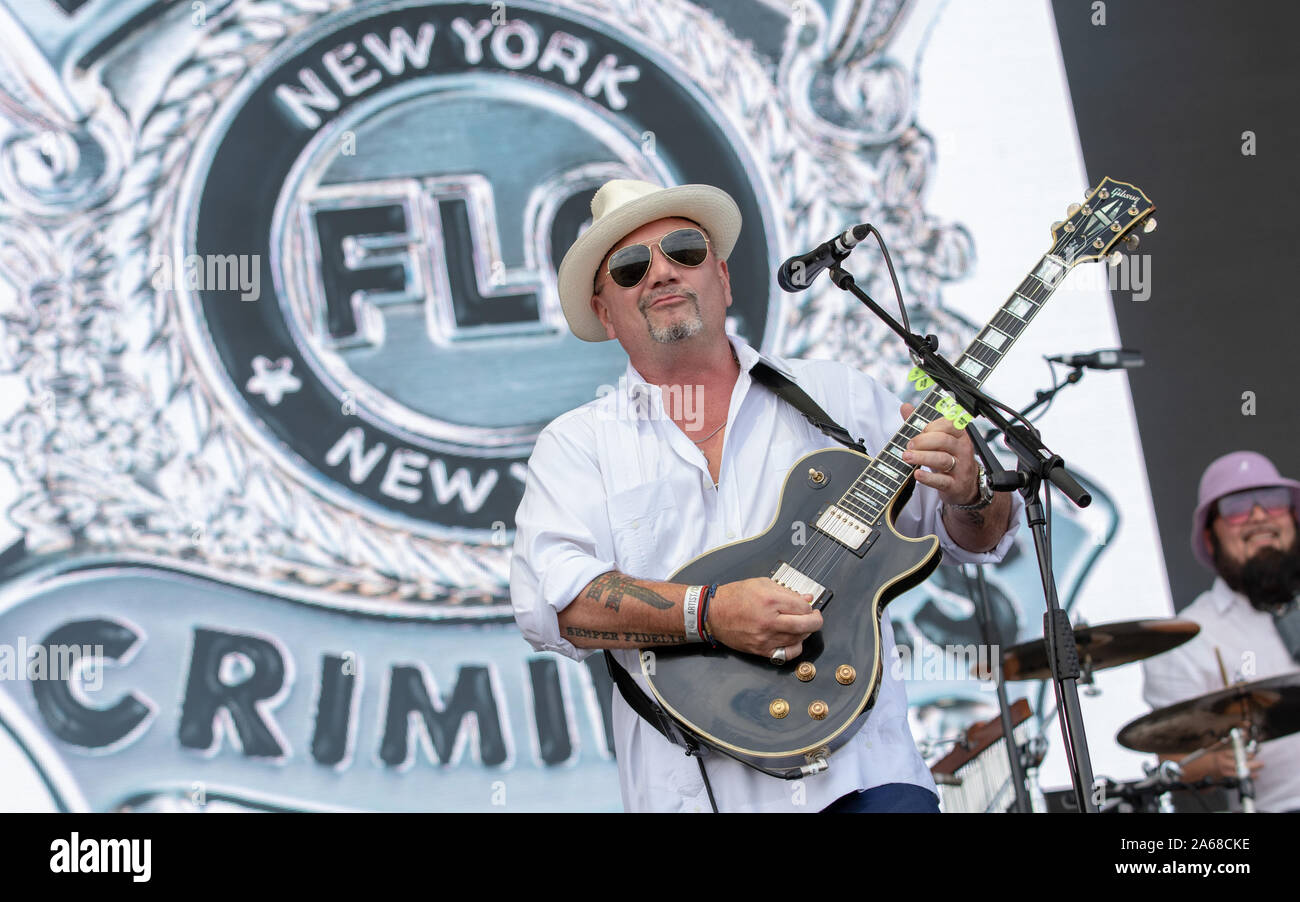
(1269, 579)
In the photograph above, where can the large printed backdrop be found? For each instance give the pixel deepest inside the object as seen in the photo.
(286, 517)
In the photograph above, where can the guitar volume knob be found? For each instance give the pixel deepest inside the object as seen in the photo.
(845, 674)
(806, 671)
(778, 708)
(818, 710)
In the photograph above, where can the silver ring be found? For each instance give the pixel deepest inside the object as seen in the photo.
(778, 656)
(952, 466)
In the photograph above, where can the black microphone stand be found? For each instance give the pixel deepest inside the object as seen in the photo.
(977, 588)
(1037, 463)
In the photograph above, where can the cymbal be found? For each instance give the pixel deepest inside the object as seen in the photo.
(1267, 708)
(1101, 646)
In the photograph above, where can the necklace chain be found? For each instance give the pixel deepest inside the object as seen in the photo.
(711, 434)
(735, 360)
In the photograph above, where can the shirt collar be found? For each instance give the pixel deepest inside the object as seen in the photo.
(746, 356)
(1224, 597)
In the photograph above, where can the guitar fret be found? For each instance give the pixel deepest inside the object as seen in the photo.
(880, 488)
(862, 496)
(1049, 271)
(861, 487)
(865, 512)
(1008, 324)
(894, 474)
(890, 484)
(1019, 306)
(993, 338)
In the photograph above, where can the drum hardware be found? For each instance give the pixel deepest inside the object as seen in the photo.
(976, 776)
(1100, 647)
(1246, 785)
(1242, 714)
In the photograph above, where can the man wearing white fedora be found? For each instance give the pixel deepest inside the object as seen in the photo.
(614, 502)
(1244, 530)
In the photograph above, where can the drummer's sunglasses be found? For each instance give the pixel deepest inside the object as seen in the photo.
(1236, 508)
(685, 247)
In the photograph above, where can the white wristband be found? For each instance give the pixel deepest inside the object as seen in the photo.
(691, 613)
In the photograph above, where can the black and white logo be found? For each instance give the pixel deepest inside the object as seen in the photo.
(410, 179)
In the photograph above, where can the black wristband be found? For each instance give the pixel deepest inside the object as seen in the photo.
(704, 614)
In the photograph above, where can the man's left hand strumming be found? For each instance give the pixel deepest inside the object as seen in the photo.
(946, 457)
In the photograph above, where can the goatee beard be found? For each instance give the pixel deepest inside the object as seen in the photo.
(680, 329)
(1269, 579)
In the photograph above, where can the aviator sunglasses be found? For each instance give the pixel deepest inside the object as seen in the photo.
(685, 247)
(1236, 508)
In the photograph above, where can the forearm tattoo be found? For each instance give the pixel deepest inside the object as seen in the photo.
(615, 587)
(578, 632)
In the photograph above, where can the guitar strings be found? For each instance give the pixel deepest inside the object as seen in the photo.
(820, 555)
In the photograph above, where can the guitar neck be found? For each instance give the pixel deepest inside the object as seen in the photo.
(875, 489)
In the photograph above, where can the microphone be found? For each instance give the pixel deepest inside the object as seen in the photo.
(1116, 359)
(798, 272)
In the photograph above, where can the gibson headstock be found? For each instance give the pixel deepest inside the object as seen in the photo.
(1113, 212)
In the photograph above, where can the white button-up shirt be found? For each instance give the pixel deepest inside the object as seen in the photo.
(612, 488)
(1251, 650)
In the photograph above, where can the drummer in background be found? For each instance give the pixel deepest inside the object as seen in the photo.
(1245, 531)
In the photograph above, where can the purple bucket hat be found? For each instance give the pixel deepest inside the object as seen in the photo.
(1230, 473)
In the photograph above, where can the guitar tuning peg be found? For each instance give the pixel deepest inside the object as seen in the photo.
(1131, 242)
(1071, 210)
(1056, 226)
(1149, 225)
(1115, 258)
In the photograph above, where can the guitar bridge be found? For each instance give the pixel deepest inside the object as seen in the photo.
(844, 528)
(792, 579)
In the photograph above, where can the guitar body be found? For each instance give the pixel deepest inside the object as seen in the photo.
(724, 697)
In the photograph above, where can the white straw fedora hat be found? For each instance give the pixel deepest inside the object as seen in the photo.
(622, 206)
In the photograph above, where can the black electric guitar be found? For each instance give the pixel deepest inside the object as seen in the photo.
(787, 720)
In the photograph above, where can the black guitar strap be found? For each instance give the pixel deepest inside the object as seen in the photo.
(652, 714)
(646, 709)
(786, 389)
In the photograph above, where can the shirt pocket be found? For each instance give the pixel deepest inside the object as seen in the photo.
(641, 521)
(767, 491)
(780, 459)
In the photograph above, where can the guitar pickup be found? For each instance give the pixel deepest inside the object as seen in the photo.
(792, 579)
(843, 527)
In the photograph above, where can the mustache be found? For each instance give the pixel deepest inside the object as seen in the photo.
(688, 293)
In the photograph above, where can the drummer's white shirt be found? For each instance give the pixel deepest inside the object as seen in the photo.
(1251, 650)
(607, 490)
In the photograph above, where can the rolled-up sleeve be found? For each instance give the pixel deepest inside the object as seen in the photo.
(562, 537)
(875, 410)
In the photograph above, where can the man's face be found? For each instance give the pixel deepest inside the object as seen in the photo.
(671, 303)
(1262, 530)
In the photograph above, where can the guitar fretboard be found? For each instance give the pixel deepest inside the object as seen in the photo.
(875, 489)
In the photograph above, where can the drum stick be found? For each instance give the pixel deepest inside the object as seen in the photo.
(1223, 671)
